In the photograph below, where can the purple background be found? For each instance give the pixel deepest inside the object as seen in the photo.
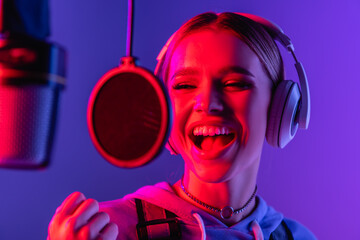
(314, 180)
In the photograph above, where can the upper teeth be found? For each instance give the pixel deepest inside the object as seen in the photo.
(210, 131)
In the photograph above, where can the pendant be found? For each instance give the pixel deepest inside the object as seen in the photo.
(226, 212)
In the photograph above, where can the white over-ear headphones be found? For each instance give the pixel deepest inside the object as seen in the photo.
(290, 107)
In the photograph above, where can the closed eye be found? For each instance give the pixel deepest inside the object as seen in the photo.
(181, 86)
(237, 85)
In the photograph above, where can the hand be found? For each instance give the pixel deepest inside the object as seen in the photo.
(79, 218)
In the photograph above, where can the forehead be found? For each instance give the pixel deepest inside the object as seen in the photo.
(211, 50)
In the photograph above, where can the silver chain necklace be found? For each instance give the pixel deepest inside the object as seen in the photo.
(225, 212)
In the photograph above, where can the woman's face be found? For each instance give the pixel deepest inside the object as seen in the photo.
(220, 95)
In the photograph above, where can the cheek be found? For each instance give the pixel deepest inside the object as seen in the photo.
(250, 111)
(240, 104)
(182, 109)
(257, 117)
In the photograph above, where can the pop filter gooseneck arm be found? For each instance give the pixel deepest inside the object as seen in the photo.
(129, 33)
(128, 112)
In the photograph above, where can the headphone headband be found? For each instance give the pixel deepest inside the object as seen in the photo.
(278, 34)
(273, 29)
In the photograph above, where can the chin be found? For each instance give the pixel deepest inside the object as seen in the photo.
(225, 168)
(211, 171)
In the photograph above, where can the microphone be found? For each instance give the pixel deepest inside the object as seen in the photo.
(32, 74)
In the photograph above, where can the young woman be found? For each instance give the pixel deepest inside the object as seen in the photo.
(220, 71)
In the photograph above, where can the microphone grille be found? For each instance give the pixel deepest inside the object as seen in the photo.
(27, 122)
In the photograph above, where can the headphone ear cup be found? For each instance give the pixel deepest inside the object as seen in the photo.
(282, 123)
(171, 147)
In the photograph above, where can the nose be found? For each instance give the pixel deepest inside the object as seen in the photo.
(209, 102)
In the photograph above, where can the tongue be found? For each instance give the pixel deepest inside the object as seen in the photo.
(209, 143)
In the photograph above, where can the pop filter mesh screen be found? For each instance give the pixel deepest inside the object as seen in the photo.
(127, 116)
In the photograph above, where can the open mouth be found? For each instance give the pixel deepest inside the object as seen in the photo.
(209, 138)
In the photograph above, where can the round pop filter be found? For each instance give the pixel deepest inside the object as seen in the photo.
(128, 115)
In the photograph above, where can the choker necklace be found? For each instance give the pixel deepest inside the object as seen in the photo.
(225, 212)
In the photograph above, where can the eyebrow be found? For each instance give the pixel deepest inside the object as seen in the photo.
(190, 71)
(185, 72)
(236, 69)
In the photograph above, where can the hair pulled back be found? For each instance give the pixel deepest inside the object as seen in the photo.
(251, 32)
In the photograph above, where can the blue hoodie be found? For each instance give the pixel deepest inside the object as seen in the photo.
(258, 225)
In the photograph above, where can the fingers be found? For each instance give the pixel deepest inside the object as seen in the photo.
(98, 222)
(70, 204)
(84, 212)
(99, 227)
(79, 218)
(110, 232)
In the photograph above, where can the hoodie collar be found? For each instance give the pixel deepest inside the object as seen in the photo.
(163, 195)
